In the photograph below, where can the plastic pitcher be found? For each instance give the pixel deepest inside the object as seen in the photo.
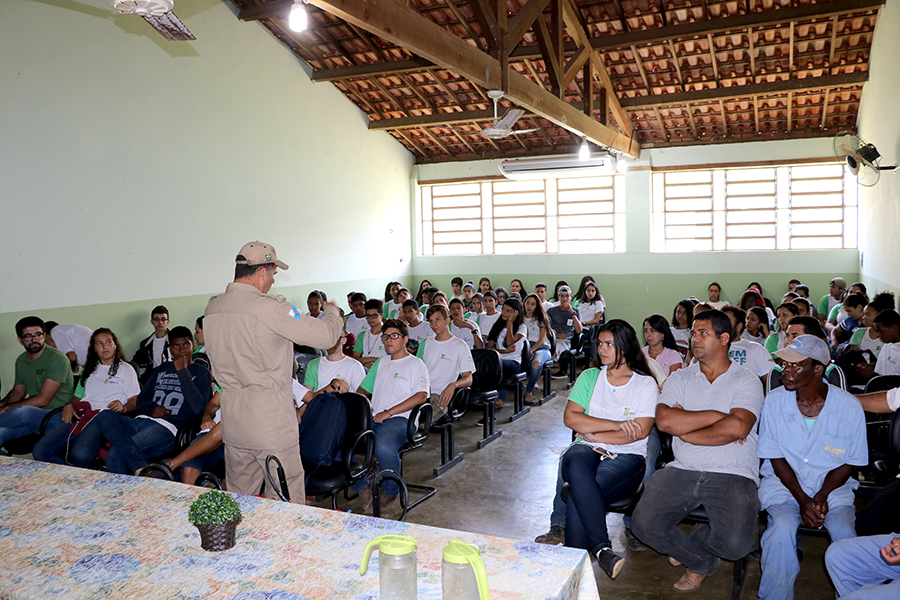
(462, 573)
(396, 566)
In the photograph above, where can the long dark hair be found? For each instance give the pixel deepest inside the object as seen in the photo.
(90, 365)
(482, 280)
(628, 349)
(659, 323)
(579, 295)
(499, 325)
(388, 297)
(582, 295)
(539, 313)
(688, 307)
(422, 287)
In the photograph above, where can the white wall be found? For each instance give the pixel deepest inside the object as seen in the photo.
(879, 123)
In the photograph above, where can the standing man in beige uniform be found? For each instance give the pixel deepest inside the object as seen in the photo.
(249, 338)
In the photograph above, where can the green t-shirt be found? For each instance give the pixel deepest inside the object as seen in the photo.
(834, 311)
(53, 365)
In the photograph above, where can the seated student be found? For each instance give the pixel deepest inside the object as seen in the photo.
(745, 353)
(369, 347)
(420, 295)
(390, 298)
(865, 568)
(154, 350)
(314, 303)
(507, 336)
(866, 340)
(839, 312)
(591, 306)
(491, 314)
(661, 344)
(206, 449)
(803, 306)
(783, 314)
(752, 298)
(403, 295)
(200, 356)
(484, 285)
(789, 297)
(440, 297)
(707, 407)
(449, 361)
(811, 435)
(456, 284)
(427, 295)
(537, 324)
(558, 285)
(107, 382)
(756, 327)
(516, 287)
(714, 291)
(465, 329)
(887, 323)
(682, 319)
(611, 409)
(334, 373)
(71, 339)
(419, 330)
(836, 289)
(397, 382)
(502, 296)
(565, 321)
(880, 515)
(540, 290)
(792, 284)
(43, 382)
(579, 293)
(468, 293)
(477, 306)
(803, 291)
(855, 305)
(355, 323)
(176, 391)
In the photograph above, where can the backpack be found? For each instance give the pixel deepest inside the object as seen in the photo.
(322, 429)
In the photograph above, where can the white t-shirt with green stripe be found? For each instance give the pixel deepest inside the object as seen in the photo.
(369, 344)
(321, 371)
(445, 361)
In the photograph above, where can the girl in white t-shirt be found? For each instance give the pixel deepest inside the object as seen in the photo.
(661, 345)
(591, 306)
(507, 336)
(756, 326)
(611, 410)
(107, 382)
(714, 291)
(682, 319)
(537, 326)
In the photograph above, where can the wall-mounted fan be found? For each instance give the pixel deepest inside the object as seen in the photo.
(503, 128)
(863, 159)
(160, 16)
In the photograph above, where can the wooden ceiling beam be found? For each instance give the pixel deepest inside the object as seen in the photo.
(640, 65)
(834, 24)
(677, 66)
(465, 23)
(621, 14)
(486, 17)
(372, 70)
(524, 20)
(444, 118)
(754, 89)
(406, 28)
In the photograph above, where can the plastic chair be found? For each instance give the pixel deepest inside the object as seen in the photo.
(545, 374)
(576, 351)
(417, 428)
(773, 380)
(455, 410)
(485, 381)
(835, 376)
(516, 384)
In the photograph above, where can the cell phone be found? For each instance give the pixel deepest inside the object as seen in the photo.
(605, 453)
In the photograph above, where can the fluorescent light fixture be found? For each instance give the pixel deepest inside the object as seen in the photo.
(297, 20)
(584, 152)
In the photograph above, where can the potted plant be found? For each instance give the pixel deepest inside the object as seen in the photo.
(216, 515)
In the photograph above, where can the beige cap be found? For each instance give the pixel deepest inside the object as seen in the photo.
(257, 253)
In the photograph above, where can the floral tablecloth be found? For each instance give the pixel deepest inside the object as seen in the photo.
(72, 533)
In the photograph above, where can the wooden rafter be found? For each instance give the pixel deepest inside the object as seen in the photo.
(548, 55)
(724, 119)
(690, 114)
(415, 90)
(640, 65)
(465, 23)
(621, 13)
(369, 41)
(404, 27)
(752, 55)
(824, 107)
(677, 66)
(412, 142)
(789, 108)
(756, 113)
(523, 21)
(834, 25)
(662, 126)
(791, 51)
(712, 56)
(486, 17)
(454, 118)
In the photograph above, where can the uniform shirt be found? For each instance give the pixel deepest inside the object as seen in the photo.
(446, 361)
(602, 400)
(369, 344)
(563, 321)
(390, 309)
(321, 371)
(861, 339)
(534, 331)
(465, 334)
(735, 388)
(53, 365)
(888, 360)
(355, 325)
(751, 356)
(394, 381)
(826, 304)
(421, 332)
(515, 355)
(666, 359)
(100, 389)
(682, 336)
(837, 438)
(249, 338)
(70, 337)
(588, 311)
(776, 341)
(486, 321)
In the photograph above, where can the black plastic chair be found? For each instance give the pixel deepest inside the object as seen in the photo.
(516, 384)
(773, 380)
(359, 442)
(571, 356)
(26, 443)
(545, 374)
(485, 381)
(455, 411)
(417, 428)
(835, 376)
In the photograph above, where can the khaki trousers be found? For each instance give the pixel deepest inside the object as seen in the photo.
(245, 471)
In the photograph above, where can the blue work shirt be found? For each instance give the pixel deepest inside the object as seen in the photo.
(837, 438)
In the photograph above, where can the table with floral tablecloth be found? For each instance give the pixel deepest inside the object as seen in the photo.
(72, 533)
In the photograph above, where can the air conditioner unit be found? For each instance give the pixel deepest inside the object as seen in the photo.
(558, 167)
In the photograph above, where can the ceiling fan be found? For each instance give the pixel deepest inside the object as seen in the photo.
(160, 16)
(863, 159)
(503, 128)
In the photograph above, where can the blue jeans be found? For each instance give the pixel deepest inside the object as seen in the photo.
(538, 359)
(652, 454)
(780, 565)
(510, 369)
(593, 484)
(206, 461)
(133, 442)
(857, 569)
(55, 444)
(389, 436)
(23, 420)
(732, 506)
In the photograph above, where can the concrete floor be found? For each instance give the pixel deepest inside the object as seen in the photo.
(506, 489)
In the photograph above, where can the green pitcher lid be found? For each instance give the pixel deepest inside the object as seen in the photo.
(394, 545)
(461, 553)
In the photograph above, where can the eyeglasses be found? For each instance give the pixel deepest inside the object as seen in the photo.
(160, 319)
(33, 336)
(372, 315)
(390, 336)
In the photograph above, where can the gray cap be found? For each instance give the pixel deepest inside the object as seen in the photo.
(840, 282)
(564, 289)
(805, 346)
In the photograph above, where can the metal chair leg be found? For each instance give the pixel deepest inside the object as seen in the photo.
(520, 410)
(490, 434)
(449, 457)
